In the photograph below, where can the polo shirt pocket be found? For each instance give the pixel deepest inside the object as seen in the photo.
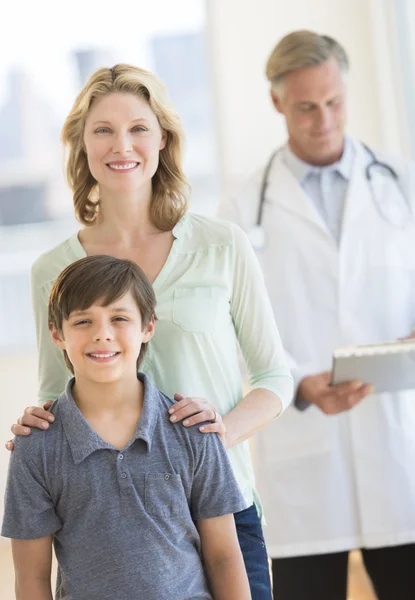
(164, 494)
(195, 307)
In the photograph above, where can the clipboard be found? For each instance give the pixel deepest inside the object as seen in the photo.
(389, 366)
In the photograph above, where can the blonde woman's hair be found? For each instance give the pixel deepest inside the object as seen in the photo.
(169, 184)
(301, 49)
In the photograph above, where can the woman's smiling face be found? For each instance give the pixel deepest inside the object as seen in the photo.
(122, 139)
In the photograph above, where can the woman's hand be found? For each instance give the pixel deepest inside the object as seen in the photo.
(198, 410)
(33, 416)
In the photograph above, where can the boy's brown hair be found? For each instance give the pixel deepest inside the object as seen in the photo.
(102, 279)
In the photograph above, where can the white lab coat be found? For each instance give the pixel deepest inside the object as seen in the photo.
(333, 483)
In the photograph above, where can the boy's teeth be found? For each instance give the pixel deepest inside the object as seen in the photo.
(121, 167)
(103, 355)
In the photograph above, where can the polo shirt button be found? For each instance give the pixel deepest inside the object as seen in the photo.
(167, 477)
(120, 456)
(123, 475)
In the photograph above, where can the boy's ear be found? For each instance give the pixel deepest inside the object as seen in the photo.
(57, 337)
(149, 330)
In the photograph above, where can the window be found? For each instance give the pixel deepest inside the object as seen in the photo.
(402, 21)
(41, 70)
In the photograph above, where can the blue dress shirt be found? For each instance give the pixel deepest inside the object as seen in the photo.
(326, 186)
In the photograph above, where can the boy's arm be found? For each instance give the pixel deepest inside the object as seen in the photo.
(32, 564)
(222, 558)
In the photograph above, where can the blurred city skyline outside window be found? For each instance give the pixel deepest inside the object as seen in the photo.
(46, 56)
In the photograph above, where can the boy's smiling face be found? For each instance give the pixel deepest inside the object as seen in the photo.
(103, 342)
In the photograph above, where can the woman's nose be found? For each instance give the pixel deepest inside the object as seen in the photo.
(122, 144)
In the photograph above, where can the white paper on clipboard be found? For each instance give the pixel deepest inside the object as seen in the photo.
(389, 366)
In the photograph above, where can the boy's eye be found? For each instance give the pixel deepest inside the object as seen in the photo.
(83, 322)
(120, 319)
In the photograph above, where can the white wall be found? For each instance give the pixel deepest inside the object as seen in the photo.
(242, 35)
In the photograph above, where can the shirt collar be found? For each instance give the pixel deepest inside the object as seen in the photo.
(83, 440)
(180, 226)
(300, 169)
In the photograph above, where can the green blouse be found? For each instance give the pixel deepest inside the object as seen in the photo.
(210, 298)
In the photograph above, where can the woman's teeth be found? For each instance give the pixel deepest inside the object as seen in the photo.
(123, 167)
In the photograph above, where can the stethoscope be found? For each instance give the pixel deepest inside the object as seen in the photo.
(394, 215)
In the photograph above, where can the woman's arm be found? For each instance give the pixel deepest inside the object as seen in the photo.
(270, 379)
(222, 559)
(52, 371)
(251, 415)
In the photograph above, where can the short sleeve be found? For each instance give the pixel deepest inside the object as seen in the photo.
(214, 489)
(29, 510)
(52, 371)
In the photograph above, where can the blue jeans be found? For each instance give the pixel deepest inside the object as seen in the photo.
(251, 541)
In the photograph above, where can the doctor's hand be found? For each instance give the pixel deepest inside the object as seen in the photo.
(332, 399)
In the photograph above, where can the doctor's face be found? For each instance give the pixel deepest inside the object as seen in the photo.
(313, 103)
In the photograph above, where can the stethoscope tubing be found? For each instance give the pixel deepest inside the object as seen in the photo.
(374, 163)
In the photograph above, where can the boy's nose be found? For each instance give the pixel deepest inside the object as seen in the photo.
(103, 334)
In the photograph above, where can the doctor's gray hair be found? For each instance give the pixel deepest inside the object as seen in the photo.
(302, 49)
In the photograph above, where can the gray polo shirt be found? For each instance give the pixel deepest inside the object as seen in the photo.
(122, 522)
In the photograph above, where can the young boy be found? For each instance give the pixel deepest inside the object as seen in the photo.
(132, 504)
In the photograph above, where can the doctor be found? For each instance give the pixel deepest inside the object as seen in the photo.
(333, 225)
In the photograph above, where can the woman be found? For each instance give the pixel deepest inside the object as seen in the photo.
(129, 192)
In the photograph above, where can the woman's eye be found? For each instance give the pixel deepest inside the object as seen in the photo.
(139, 128)
(102, 130)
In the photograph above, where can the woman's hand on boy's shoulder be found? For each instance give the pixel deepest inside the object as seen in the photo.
(33, 416)
(192, 411)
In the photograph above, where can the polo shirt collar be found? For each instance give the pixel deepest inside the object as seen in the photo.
(83, 440)
(301, 170)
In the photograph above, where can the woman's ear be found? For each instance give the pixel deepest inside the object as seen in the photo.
(163, 140)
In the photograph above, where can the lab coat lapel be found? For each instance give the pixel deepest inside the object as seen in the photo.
(356, 196)
(284, 190)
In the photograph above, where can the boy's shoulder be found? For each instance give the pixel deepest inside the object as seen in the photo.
(33, 447)
(189, 437)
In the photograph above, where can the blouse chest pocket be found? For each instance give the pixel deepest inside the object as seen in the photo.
(164, 494)
(196, 308)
